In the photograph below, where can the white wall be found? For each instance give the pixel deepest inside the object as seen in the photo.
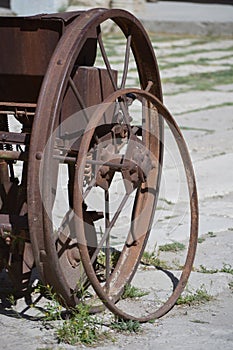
(32, 7)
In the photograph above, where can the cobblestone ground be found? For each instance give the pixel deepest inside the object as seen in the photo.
(197, 80)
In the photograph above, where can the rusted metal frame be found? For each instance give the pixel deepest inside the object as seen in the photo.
(117, 164)
(17, 105)
(14, 138)
(16, 112)
(36, 152)
(64, 56)
(161, 133)
(14, 155)
(194, 218)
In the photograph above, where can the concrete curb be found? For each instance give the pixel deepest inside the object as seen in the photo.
(191, 28)
(188, 18)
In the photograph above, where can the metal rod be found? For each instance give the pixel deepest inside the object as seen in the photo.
(14, 155)
(110, 226)
(126, 63)
(7, 137)
(91, 161)
(18, 104)
(107, 251)
(106, 61)
(79, 98)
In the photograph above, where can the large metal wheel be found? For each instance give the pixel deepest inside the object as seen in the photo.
(136, 164)
(63, 111)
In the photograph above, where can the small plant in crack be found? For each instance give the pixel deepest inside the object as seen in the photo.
(133, 292)
(199, 296)
(172, 247)
(127, 326)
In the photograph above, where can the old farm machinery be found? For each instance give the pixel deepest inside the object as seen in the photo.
(79, 148)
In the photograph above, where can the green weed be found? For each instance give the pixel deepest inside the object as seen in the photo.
(129, 326)
(80, 327)
(227, 268)
(53, 309)
(172, 247)
(211, 234)
(203, 269)
(76, 325)
(133, 292)
(204, 81)
(151, 259)
(200, 296)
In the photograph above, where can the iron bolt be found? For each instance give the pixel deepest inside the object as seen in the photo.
(38, 155)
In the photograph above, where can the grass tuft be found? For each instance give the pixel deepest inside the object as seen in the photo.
(79, 328)
(133, 292)
(203, 269)
(128, 326)
(151, 259)
(200, 296)
(172, 247)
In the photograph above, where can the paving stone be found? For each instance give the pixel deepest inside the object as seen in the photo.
(190, 101)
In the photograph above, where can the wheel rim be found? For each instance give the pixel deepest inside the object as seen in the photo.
(58, 77)
(134, 158)
(109, 298)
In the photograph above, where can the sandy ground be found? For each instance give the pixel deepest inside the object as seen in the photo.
(206, 119)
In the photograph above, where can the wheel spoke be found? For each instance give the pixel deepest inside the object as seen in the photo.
(77, 94)
(106, 61)
(126, 115)
(126, 62)
(110, 226)
(107, 249)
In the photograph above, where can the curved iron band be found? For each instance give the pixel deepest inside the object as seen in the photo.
(53, 89)
(193, 209)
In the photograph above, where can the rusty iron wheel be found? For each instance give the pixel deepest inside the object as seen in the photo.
(56, 250)
(120, 274)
